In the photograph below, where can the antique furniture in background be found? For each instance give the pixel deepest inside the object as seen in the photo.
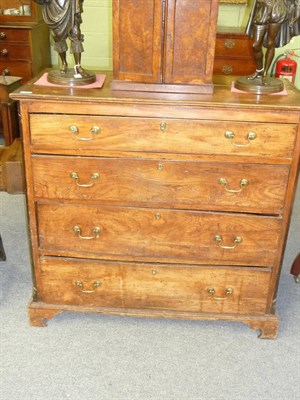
(164, 45)
(9, 123)
(12, 177)
(233, 52)
(24, 40)
(159, 205)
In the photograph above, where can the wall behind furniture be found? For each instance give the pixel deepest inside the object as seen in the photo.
(97, 30)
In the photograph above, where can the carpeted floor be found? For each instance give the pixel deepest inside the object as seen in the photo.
(89, 356)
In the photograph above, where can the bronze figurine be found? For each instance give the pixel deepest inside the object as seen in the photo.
(63, 17)
(272, 23)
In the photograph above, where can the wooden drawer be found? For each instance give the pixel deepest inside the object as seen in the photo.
(151, 286)
(172, 184)
(157, 234)
(234, 46)
(16, 68)
(66, 134)
(10, 51)
(101, 282)
(234, 66)
(14, 35)
(197, 289)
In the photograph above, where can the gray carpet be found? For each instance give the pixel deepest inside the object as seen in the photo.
(89, 356)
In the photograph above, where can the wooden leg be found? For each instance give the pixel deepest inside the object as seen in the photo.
(40, 316)
(295, 270)
(268, 328)
(2, 252)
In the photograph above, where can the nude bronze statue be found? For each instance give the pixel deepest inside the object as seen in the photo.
(272, 23)
(63, 17)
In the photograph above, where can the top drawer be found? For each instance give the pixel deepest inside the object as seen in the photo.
(89, 135)
(234, 46)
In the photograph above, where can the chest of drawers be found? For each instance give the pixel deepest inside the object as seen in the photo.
(159, 207)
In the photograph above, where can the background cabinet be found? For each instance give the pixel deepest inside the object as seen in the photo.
(20, 11)
(24, 52)
(24, 39)
(233, 53)
(9, 128)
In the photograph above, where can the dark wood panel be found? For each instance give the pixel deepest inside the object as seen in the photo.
(234, 54)
(14, 51)
(234, 66)
(14, 35)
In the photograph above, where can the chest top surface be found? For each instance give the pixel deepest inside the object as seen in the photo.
(222, 96)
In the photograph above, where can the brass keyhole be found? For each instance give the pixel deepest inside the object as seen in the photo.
(163, 126)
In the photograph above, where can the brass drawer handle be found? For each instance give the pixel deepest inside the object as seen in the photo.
(96, 284)
(96, 232)
(75, 130)
(250, 136)
(75, 177)
(219, 240)
(2, 35)
(4, 52)
(243, 183)
(229, 43)
(227, 69)
(228, 292)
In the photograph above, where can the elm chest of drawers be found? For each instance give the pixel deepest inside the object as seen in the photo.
(170, 206)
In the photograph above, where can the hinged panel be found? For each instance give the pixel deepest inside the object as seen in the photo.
(190, 33)
(138, 27)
